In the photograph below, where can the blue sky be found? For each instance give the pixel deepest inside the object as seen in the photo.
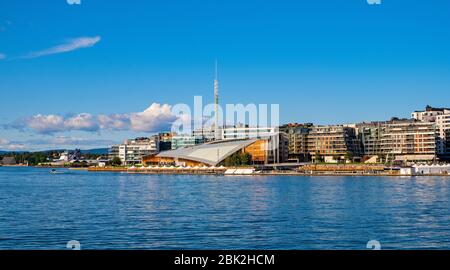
(323, 61)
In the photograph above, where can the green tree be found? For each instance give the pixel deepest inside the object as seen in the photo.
(116, 161)
(33, 159)
(349, 156)
(238, 159)
(318, 157)
(246, 159)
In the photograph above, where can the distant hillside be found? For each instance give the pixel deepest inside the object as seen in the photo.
(98, 151)
(7, 152)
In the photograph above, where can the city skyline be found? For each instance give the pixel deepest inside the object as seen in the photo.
(350, 62)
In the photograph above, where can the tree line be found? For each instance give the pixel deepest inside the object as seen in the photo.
(35, 158)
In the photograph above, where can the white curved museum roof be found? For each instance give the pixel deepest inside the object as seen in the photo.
(210, 153)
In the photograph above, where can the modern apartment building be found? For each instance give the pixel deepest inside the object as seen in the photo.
(408, 141)
(443, 141)
(441, 118)
(207, 133)
(403, 140)
(182, 141)
(233, 133)
(132, 151)
(165, 141)
(429, 114)
(281, 154)
(333, 143)
(297, 136)
(369, 135)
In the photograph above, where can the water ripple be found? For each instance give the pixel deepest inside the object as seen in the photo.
(39, 210)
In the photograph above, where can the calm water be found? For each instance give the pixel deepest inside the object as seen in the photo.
(39, 210)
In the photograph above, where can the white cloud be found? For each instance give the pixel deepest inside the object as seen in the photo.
(3, 142)
(14, 147)
(156, 117)
(10, 146)
(114, 121)
(66, 140)
(45, 123)
(58, 142)
(83, 121)
(70, 45)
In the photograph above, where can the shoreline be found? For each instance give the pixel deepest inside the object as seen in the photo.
(221, 172)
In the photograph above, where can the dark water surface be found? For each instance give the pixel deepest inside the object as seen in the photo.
(39, 210)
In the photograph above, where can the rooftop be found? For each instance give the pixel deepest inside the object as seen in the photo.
(209, 153)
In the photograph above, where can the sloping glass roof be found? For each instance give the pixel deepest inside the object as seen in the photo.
(211, 153)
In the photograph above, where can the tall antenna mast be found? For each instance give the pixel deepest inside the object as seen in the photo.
(216, 102)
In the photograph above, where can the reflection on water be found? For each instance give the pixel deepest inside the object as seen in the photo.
(39, 210)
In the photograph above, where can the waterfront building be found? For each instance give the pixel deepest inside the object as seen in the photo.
(132, 151)
(64, 157)
(429, 114)
(277, 142)
(297, 136)
(408, 140)
(405, 140)
(441, 117)
(208, 134)
(68, 156)
(369, 135)
(281, 153)
(333, 143)
(215, 153)
(443, 140)
(8, 161)
(246, 132)
(183, 141)
(165, 141)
